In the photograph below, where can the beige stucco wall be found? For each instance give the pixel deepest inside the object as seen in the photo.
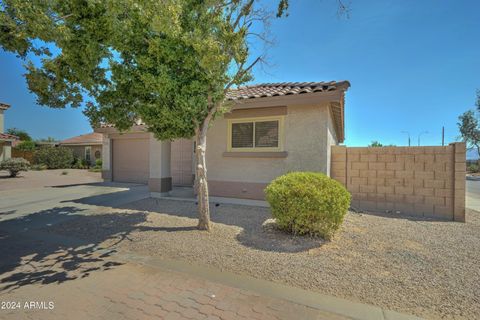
(159, 158)
(79, 151)
(5, 151)
(308, 136)
(106, 155)
(331, 140)
(307, 139)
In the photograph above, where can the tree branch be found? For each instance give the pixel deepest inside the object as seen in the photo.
(240, 73)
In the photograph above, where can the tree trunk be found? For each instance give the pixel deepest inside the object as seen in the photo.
(201, 183)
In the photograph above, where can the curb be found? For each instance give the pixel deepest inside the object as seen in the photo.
(343, 307)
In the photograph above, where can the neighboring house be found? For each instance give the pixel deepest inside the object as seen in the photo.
(47, 143)
(6, 140)
(272, 129)
(86, 146)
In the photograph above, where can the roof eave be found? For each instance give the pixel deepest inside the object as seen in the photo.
(80, 144)
(294, 99)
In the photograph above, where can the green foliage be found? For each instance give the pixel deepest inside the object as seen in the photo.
(21, 134)
(38, 167)
(469, 129)
(375, 144)
(54, 157)
(85, 163)
(14, 166)
(477, 102)
(77, 164)
(473, 167)
(47, 139)
(308, 203)
(165, 62)
(26, 145)
(98, 166)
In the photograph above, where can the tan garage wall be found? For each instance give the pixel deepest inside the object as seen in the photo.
(420, 181)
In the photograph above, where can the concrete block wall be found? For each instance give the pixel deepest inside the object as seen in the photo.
(419, 181)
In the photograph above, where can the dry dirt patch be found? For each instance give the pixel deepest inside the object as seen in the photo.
(47, 178)
(427, 268)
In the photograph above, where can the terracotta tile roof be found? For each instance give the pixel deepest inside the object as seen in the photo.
(265, 90)
(4, 106)
(284, 89)
(84, 139)
(7, 137)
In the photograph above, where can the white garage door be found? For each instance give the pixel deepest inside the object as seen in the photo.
(130, 160)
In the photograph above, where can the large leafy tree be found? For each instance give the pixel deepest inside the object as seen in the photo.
(21, 134)
(169, 63)
(469, 127)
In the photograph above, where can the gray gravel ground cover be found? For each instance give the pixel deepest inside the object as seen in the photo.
(427, 268)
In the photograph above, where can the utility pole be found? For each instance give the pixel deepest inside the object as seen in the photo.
(419, 135)
(443, 136)
(408, 133)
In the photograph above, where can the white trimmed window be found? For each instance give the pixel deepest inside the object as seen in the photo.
(88, 153)
(256, 134)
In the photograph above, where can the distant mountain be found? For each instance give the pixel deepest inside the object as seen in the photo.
(472, 154)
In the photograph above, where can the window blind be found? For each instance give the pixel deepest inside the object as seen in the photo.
(242, 135)
(266, 134)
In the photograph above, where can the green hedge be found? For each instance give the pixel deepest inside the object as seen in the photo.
(54, 157)
(308, 203)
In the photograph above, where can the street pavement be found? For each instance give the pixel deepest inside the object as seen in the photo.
(473, 193)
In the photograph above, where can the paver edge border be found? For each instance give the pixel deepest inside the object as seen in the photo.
(354, 310)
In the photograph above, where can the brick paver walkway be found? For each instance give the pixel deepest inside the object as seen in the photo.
(109, 290)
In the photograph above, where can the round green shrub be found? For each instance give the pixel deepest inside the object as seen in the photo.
(308, 203)
(14, 166)
(54, 157)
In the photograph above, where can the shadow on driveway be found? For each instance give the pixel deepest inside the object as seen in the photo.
(32, 255)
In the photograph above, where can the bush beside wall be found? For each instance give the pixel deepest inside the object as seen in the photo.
(308, 203)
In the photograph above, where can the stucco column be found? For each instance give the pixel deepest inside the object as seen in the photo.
(160, 180)
(7, 150)
(106, 158)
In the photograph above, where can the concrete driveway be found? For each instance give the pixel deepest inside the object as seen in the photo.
(16, 203)
(473, 193)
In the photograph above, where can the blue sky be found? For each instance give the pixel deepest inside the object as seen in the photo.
(413, 66)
